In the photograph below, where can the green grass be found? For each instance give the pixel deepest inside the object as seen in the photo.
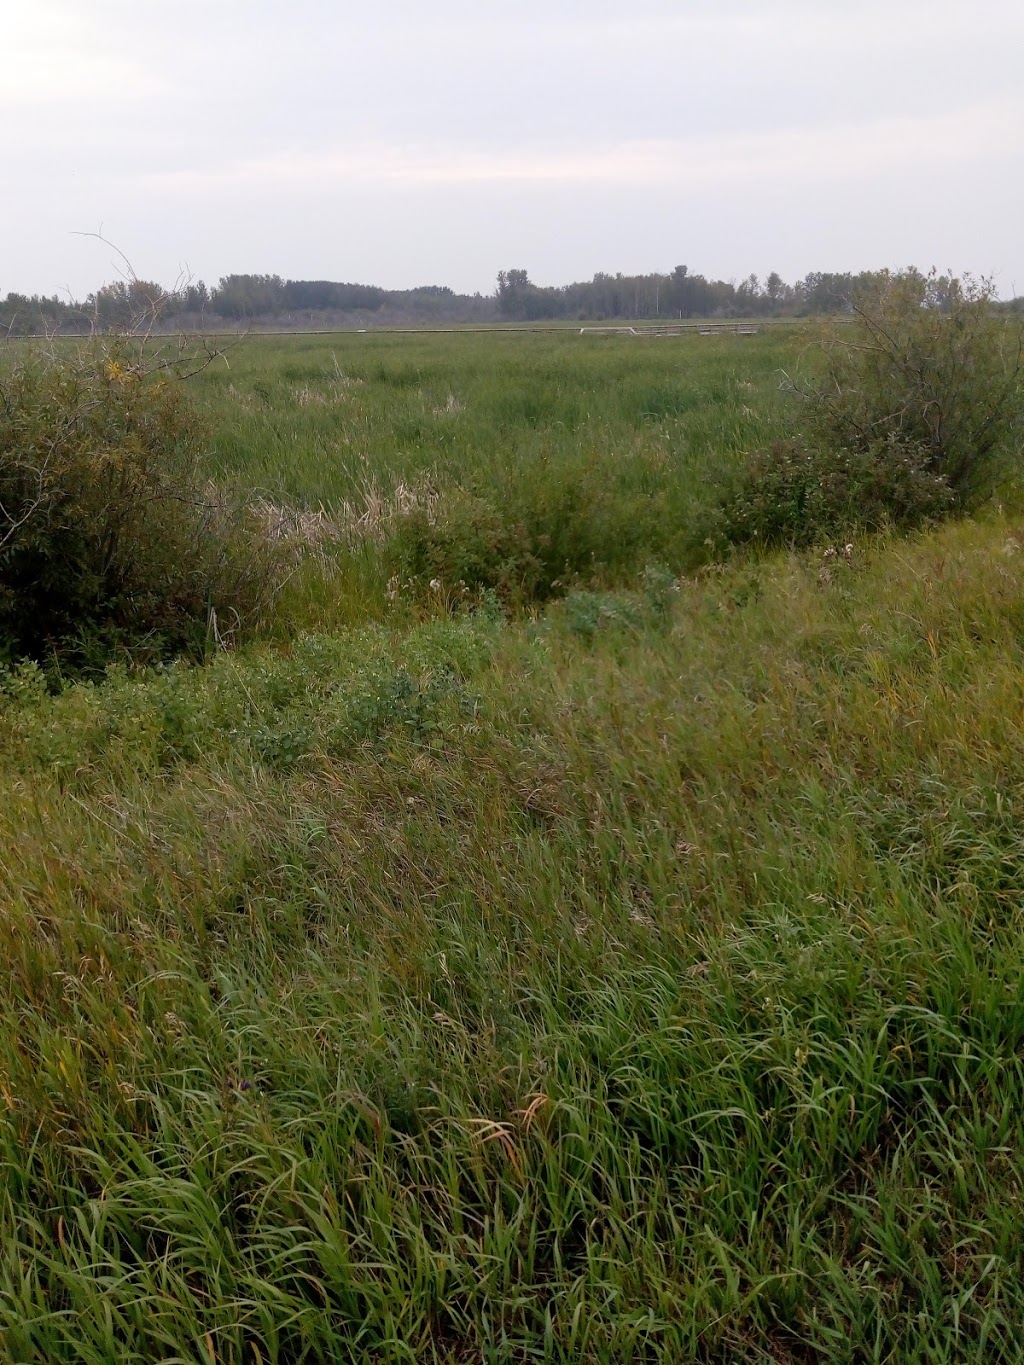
(635, 979)
(316, 419)
(545, 459)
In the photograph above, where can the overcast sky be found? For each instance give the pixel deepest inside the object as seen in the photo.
(403, 143)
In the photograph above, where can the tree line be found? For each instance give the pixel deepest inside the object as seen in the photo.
(683, 294)
(271, 300)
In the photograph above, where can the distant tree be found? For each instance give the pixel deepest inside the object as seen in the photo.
(127, 302)
(248, 296)
(824, 292)
(681, 293)
(749, 296)
(775, 290)
(689, 295)
(192, 298)
(22, 314)
(327, 294)
(513, 286)
(519, 299)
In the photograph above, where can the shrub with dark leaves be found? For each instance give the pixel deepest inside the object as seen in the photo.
(110, 536)
(799, 494)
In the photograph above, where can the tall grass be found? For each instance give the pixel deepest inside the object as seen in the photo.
(636, 980)
(315, 418)
(550, 459)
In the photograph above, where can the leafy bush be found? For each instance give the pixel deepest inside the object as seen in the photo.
(920, 397)
(464, 539)
(798, 494)
(926, 364)
(537, 529)
(109, 534)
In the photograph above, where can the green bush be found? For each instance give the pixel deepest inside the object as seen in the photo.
(927, 364)
(465, 540)
(798, 494)
(538, 529)
(918, 401)
(110, 537)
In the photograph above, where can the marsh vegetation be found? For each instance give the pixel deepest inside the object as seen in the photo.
(577, 917)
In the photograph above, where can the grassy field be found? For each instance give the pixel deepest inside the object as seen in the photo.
(627, 971)
(318, 419)
(554, 458)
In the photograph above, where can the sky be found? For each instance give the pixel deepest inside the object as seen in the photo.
(402, 143)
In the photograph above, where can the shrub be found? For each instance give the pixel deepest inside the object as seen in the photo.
(920, 397)
(799, 494)
(464, 539)
(109, 534)
(536, 529)
(925, 364)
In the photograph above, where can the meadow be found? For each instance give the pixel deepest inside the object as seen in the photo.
(553, 937)
(319, 418)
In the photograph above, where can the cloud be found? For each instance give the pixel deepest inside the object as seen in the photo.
(405, 139)
(841, 152)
